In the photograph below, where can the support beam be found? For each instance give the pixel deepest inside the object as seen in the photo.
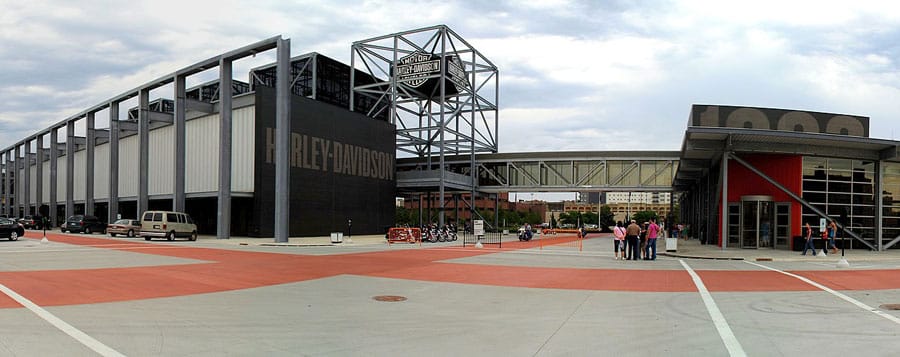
(70, 168)
(127, 126)
(223, 215)
(39, 173)
(89, 165)
(143, 151)
(799, 199)
(7, 173)
(198, 106)
(282, 141)
(723, 184)
(26, 178)
(879, 206)
(114, 128)
(54, 158)
(178, 199)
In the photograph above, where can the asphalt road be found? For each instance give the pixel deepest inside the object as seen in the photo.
(83, 295)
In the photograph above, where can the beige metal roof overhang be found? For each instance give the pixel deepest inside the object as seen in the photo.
(703, 148)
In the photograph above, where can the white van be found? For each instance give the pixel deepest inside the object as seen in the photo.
(167, 224)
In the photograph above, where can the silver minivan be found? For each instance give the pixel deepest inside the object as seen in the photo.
(167, 224)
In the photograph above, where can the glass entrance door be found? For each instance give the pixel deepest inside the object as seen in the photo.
(757, 213)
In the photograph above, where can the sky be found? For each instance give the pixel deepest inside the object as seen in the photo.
(574, 75)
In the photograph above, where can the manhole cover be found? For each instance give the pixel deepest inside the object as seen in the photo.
(389, 298)
(890, 307)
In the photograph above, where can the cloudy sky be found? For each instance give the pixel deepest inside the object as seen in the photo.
(575, 75)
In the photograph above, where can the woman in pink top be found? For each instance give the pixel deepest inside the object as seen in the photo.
(619, 242)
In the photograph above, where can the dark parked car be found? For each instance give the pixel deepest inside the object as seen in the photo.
(11, 229)
(27, 222)
(83, 224)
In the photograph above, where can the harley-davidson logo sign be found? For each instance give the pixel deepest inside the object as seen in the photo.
(414, 69)
(419, 73)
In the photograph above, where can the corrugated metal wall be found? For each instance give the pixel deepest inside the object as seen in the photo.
(162, 161)
(60, 179)
(32, 185)
(80, 158)
(201, 161)
(128, 166)
(45, 182)
(202, 152)
(243, 134)
(101, 172)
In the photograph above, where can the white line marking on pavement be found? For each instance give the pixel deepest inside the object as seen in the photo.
(731, 342)
(70, 330)
(846, 298)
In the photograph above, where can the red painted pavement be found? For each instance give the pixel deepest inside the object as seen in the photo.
(223, 270)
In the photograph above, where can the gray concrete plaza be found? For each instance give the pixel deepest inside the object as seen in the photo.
(445, 314)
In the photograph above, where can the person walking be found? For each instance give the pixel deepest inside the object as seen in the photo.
(644, 240)
(832, 232)
(809, 241)
(632, 233)
(619, 241)
(652, 233)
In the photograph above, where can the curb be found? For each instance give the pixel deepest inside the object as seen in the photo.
(685, 256)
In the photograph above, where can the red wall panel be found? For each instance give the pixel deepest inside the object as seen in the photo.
(787, 170)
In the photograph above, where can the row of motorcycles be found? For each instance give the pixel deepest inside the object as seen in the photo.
(432, 233)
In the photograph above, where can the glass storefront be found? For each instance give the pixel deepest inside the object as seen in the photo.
(834, 185)
(890, 200)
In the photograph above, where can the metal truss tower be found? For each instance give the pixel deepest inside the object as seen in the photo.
(438, 90)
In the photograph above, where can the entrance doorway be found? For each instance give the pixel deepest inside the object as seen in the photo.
(757, 213)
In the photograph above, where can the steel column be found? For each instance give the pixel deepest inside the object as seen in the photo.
(54, 158)
(114, 161)
(879, 204)
(89, 166)
(178, 198)
(39, 173)
(443, 128)
(283, 140)
(143, 151)
(223, 215)
(724, 211)
(26, 178)
(6, 175)
(70, 168)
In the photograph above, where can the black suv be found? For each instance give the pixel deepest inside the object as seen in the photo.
(83, 224)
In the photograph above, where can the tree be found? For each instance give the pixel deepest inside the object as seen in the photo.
(607, 218)
(643, 216)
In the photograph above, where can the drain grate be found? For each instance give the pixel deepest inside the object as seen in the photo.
(890, 307)
(389, 298)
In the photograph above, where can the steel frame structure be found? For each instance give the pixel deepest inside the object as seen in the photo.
(440, 121)
(147, 116)
(456, 114)
(555, 171)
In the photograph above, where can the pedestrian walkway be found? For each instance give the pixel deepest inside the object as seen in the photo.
(694, 250)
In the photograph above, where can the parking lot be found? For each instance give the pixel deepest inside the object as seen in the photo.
(80, 295)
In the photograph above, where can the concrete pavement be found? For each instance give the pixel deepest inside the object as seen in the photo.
(244, 296)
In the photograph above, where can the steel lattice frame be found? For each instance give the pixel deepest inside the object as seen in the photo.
(439, 121)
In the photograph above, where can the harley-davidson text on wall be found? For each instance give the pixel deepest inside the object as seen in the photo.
(314, 153)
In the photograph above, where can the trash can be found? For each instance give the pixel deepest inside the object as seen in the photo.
(337, 237)
(671, 244)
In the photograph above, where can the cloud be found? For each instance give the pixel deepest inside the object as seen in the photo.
(574, 75)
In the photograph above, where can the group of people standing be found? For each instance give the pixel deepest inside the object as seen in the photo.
(827, 235)
(636, 242)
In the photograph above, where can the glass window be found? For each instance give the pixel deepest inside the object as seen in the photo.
(158, 217)
(171, 217)
(839, 164)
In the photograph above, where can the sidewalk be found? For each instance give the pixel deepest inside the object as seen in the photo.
(298, 241)
(692, 249)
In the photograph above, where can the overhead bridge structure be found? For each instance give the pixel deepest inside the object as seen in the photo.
(649, 171)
